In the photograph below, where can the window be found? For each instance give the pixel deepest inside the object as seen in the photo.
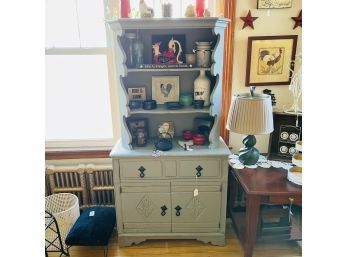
(79, 72)
(81, 108)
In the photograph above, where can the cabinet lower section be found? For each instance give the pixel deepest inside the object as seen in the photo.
(170, 201)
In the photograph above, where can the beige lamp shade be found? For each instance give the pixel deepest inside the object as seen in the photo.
(250, 115)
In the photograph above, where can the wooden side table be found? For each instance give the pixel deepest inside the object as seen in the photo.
(260, 185)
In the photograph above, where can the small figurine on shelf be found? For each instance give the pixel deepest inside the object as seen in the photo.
(145, 11)
(206, 13)
(190, 11)
(167, 8)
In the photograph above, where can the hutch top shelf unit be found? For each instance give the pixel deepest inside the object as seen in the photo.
(193, 30)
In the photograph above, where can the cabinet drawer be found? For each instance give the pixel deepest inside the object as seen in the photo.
(141, 169)
(201, 168)
(297, 199)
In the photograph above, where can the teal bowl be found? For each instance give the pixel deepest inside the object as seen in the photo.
(186, 100)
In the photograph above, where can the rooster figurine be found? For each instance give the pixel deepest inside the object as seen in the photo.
(145, 11)
(269, 60)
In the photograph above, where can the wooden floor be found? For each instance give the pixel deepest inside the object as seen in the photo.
(188, 248)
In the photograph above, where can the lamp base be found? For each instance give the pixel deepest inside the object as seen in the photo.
(249, 155)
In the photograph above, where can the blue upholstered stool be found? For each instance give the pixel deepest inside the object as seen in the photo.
(93, 227)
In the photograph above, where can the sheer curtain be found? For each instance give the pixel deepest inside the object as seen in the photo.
(229, 7)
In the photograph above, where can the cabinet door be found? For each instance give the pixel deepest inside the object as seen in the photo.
(199, 213)
(146, 207)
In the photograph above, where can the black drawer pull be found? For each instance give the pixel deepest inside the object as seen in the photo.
(163, 208)
(199, 169)
(177, 208)
(141, 169)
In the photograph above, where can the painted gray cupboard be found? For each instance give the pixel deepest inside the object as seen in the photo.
(155, 192)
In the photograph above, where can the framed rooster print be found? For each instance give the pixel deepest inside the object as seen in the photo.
(270, 60)
(165, 89)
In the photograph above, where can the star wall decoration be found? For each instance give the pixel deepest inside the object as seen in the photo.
(298, 20)
(248, 20)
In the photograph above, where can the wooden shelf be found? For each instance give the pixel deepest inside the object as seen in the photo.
(167, 69)
(162, 109)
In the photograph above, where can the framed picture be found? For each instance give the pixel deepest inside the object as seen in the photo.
(165, 128)
(168, 49)
(137, 93)
(273, 4)
(165, 89)
(134, 124)
(270, 60)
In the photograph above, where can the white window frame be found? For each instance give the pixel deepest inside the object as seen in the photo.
(108, 52)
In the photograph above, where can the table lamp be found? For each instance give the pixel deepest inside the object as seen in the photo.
(250, 114)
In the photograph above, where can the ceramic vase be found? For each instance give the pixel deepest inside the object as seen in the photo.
(125, 8)
(200, 8)
(202, 88)
(138, 51)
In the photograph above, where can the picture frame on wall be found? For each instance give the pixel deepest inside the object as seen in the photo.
(274, 4)
(165, 89)
(270, 60)
(137, 93)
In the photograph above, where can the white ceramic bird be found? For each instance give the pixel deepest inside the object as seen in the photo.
(144, 10)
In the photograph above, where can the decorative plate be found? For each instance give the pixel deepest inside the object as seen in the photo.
(283, 149)
(284, 135)
(293, 137)
(292, 150)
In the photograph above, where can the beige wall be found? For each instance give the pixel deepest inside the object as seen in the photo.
(270, 23)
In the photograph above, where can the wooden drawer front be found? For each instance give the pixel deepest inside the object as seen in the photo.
(201, 168)
(140, 169)
(297, 199)
(146, 208)
(197, 214)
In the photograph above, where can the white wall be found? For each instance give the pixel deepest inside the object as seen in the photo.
(270, 23)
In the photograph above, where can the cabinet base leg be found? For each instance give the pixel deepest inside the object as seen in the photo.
(214, 240)
(128, 241)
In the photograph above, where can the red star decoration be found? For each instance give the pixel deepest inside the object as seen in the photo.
(248, 20)
(298, 20)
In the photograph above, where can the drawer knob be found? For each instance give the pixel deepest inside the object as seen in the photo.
(141, 169)
(163, 208)
(177, 208)
(199, 169)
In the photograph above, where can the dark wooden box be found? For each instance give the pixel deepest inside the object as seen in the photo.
(275, 222)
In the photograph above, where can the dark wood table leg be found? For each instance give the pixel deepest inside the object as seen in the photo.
(232, 197)
(251, 221)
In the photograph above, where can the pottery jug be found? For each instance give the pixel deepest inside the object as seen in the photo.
(203, 54)
(202, 88)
